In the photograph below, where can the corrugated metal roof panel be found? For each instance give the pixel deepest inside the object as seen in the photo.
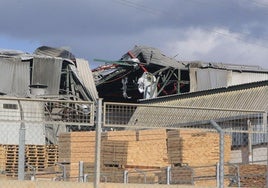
(248, 99)
(86, 75)
(217, 104)
(155, 56)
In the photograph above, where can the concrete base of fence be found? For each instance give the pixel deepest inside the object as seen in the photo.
(46, 184)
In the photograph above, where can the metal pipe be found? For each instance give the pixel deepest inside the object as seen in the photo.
(218, 174)
(33, 170)
(105, 178)
(21, 165)
(186, 107)
(266, 128)
(143, 173)
(81, 171)
(238, 176)
(125, 176)
(168, 175)
(64, 175)
(85, 177)
(250, 153)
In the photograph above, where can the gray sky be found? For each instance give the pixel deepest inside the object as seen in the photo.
(227, 31)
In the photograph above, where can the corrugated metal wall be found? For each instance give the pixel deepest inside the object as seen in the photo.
(15, 76)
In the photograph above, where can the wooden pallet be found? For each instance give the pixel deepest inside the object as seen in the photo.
(35, 156)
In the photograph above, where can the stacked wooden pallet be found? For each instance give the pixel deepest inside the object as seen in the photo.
(195, 148)
(52, 155)
(2, 158)
(11, 160)
(35, 157)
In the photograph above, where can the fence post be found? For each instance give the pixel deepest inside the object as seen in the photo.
(64, 173)
(21, 165)
(81, 171)
(221, 161)
(218, 174)
(168, 175)
(85, 177)
(98, 144)
(125, 176)
(266, 128)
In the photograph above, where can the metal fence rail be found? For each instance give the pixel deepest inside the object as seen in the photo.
(47, 111)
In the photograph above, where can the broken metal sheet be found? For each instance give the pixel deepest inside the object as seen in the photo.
(87, 78)
(54, 52)
(5, 52)
(47, 71)
(233, 67)
(79, 85)
(150, 55)
(211, 78)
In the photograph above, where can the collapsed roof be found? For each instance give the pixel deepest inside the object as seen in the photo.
(150, 55)
(145, 72)
(54, 69)
(55, 52)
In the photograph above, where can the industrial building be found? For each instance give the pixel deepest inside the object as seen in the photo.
(53, 96)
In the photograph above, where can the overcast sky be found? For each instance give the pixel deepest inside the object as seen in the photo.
(226, 31)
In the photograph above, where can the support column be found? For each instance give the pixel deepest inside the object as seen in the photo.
(98, 145)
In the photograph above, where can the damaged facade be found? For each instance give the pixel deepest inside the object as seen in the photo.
(140, 74)
(145, 72)
(48, 74)
(57, 71)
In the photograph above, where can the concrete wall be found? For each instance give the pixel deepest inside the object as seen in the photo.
(51, 184)
(259, 154)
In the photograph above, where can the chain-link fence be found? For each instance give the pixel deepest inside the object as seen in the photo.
(76, 141)
(204, 146)
(30, 130)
